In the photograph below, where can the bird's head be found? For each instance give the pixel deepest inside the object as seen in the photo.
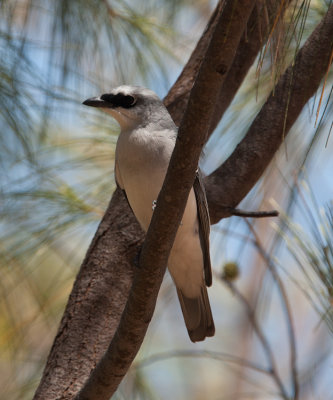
(131, 106)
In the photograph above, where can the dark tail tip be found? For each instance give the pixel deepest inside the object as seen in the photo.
(197, 315)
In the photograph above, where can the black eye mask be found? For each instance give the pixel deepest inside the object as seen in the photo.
(119, 100)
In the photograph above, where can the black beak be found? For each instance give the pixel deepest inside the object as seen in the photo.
(96, 102)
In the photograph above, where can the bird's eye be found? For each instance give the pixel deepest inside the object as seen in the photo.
(119, 100)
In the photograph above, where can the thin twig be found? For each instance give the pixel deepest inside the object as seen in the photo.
(262, 338)
(252, 214)
(214, 355)
(324, 84)
(285, 302)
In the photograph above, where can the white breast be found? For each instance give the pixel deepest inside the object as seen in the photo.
(142, 161)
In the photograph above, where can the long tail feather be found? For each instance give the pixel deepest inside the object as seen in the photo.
(197, 315)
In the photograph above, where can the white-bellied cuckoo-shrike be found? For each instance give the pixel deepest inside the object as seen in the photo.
(143, 152)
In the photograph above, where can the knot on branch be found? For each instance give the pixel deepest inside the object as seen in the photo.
(221, 69)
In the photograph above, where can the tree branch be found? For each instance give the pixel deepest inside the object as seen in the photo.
(93, 311)
(231, 182)
(167, 216)
(177, 98)
(252, 214)
(258, 28)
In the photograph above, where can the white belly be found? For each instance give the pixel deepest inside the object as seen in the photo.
(142, 174)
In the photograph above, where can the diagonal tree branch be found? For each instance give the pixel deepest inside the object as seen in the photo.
(231, 182)
(177, 98)
(96, 303)
(259, 26)
(170, 208)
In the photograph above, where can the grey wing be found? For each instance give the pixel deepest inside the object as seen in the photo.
(120, 184)
(117, 176)
(204, 224)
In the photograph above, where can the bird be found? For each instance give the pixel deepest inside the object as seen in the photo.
(143, 151)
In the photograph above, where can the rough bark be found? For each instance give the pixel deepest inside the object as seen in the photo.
(251, 157)
(98, 298)
(259, 26)
(96, 303)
